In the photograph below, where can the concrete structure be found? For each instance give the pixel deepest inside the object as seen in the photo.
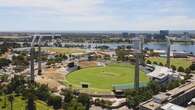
(174, 98)
(171, 106)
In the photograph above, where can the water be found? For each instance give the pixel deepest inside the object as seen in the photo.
(161, 46)
(174, 47)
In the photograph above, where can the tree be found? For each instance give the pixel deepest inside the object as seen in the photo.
(71, 64)
(16, 82)
(187, 71)
(173, 84)
(30, 96)
(74, 105)
(5, 97)
(192, 67)
(68, 95)
(161, 64)
(20, 60)
(131, 103)
(4, 62)
(11, 99)
(180, 69)
(42, 92)
(148, 62)
(55, 101)
(154, 86)
(4, 78)
(121, 54)
(155, 63)
(84, 99)
(173, 67)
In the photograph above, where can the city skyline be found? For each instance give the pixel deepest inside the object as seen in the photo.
(92, 15)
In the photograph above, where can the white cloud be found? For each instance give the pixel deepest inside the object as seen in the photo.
(69, 7)
(96, 15)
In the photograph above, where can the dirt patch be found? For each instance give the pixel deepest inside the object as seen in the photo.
(86, 64)
(52, 77)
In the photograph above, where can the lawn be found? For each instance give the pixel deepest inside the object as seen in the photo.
(19, 104)
(185, 62)
(64, 50)
(102, 78)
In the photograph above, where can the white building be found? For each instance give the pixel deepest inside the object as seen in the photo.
(170, 106)
(163, 74)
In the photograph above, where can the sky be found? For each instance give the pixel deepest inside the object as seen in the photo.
(96, 15)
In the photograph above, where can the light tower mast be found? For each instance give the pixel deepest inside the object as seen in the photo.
(136, 76)
(138, 53)
(32, 53)
(141, 50)
(39, 55)
(168, 51)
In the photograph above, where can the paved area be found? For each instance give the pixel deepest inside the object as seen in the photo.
(100, 108)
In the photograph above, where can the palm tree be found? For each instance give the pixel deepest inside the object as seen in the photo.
(11, 99)
(30, 95)
(5, 97)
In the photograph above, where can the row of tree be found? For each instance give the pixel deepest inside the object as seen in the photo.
(4, 62)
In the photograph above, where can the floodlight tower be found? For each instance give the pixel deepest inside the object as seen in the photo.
(141, 50)
(168, 51)
(39, 55)
(138, 53)
(32, 54)
(137, 63)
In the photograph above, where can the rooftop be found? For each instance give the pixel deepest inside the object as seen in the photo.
(171, 106)
(160, 72)
(152, 104)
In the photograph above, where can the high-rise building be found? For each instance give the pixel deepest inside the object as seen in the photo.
(125, 34)
(163, 34)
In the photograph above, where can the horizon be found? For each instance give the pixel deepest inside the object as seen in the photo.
(97, 31)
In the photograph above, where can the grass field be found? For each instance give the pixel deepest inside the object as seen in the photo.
(102, 78)
(64, 50)
(185, 62)
(19, 104)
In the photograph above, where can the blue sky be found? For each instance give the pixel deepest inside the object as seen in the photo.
(91, 15)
